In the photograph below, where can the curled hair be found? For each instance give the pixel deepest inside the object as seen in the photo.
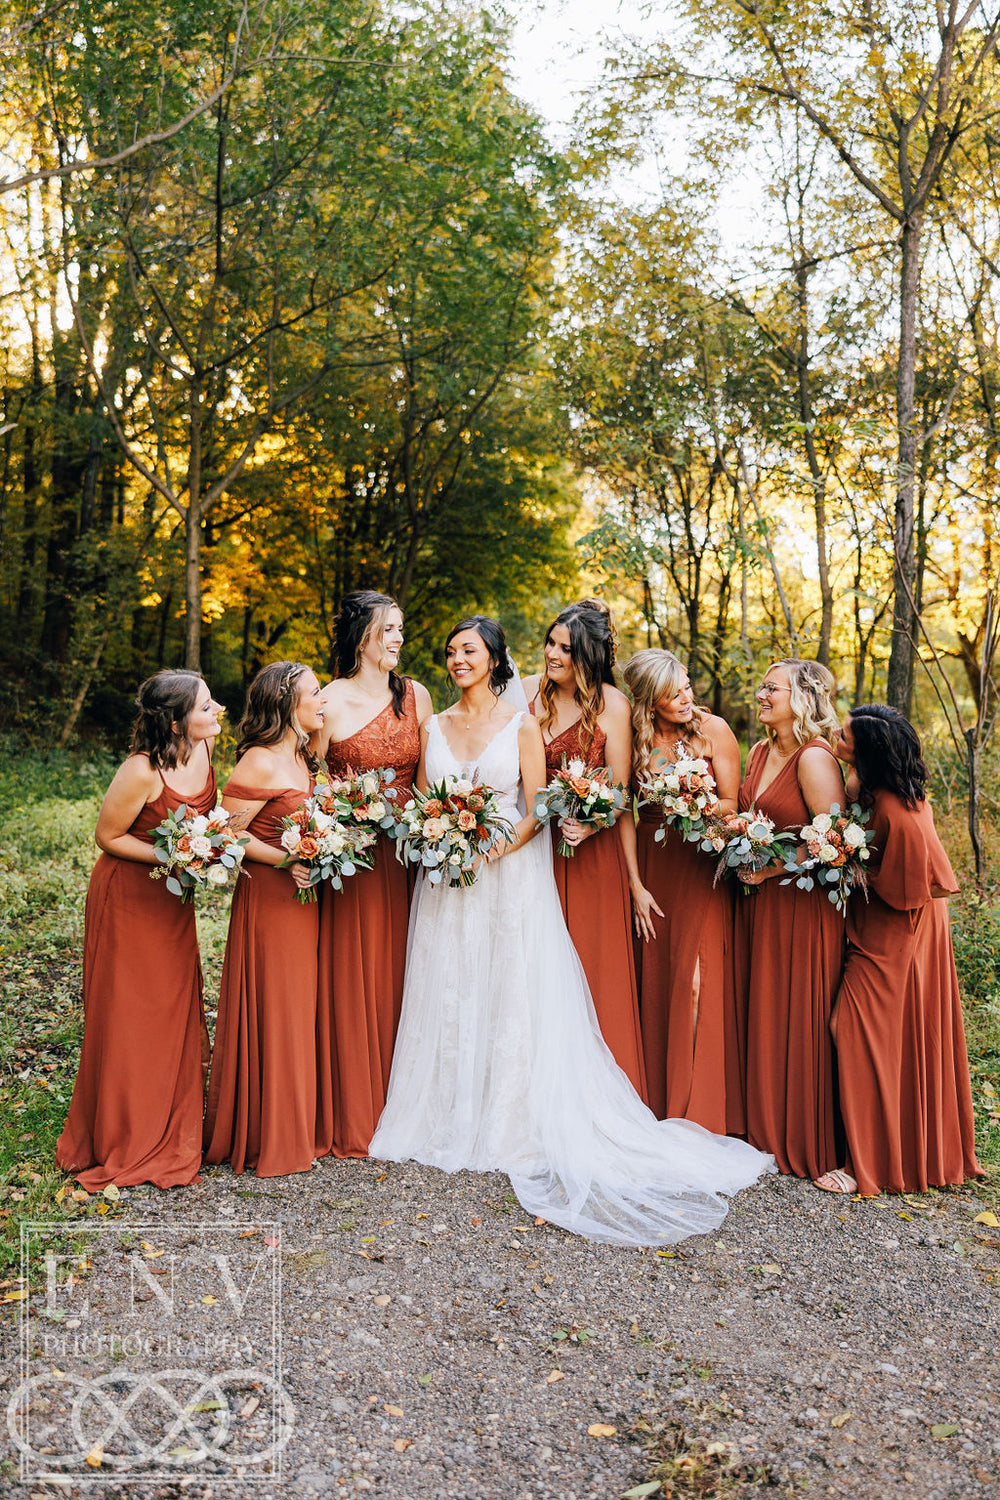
(271, 711)
(811, 700)
(592, 653)
(651, 675)
(163, 700)
(363, 613)
(887, 754)
(492, 636)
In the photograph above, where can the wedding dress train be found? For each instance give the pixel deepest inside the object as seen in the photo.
(500, 1065)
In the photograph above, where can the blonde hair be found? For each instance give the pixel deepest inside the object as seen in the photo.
(651, 675)
(813, 689)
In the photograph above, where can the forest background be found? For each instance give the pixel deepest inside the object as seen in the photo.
(300, 297)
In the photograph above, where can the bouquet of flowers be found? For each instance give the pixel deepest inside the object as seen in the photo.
(584, 793)
(448, 827)
(746, 839)
(684, 792)
(837, 845)
(362, 798)
(199, 852)
(333, 850)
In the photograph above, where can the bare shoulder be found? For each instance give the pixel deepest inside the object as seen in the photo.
(259, 767)
(528, 732)
(136, 774)
(718, 732)
(531, 685)
(422, 701)
(336, 690)
(617, 708)
(818, 755)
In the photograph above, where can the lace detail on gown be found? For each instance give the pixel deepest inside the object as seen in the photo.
(500, 1064)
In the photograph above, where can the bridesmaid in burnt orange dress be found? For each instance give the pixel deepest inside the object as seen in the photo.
(897, 1024)
(135, 1115)
(583, 715)
(687, 1003)
(373, 719)
(262, 1091)
(790, 942)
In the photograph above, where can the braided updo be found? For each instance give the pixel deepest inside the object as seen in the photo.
(163, 700)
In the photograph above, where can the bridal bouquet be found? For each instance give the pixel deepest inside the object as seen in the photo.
(684, 792)
(449, 827)
(585, 793)
(837, 850)
(199, 852)
(332, 849)
(746, 839)
(362, 798)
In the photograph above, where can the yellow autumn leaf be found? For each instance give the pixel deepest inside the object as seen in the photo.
(553, 1376)
(990, 1220)
(14, 1296)
(96, 1456)
(209, 1300)
(392, 1411)
(150, 1251)
(601, 1429)
(841, 1419)
(112, 1193)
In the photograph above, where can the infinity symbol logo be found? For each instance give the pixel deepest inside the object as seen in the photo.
(107, 1411)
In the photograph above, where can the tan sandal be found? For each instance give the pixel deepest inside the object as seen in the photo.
(837, 1181)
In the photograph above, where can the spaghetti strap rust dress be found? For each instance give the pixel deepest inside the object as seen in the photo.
(789, 960)
(594, 894)
(135, 1115)
(362, 952)
(904, 1071)
(261, 1110)
(687, 1000)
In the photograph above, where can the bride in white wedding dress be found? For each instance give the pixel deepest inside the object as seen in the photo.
(499, 1063)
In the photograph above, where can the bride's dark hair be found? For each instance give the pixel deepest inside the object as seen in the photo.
(492, 636)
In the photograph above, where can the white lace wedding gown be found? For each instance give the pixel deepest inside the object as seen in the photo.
(500, 1065)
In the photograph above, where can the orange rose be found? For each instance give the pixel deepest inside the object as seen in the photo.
(433, 808)
(300, 816)
(308, 847)
(580, 786)
(183, 843)
(466, 820)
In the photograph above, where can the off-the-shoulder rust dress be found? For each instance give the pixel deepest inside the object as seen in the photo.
(261, 1110)
(135, 1115)
(687, 1001)
(789, 959)
(362, 952)
(904, 1071)
(593, 890)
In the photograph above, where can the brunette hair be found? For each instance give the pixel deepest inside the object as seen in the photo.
(649, 675)
(163, 700)
(492, 636)
(270, 710)
(887, 754)
(811, 700)
(362, 613)
(592, 652)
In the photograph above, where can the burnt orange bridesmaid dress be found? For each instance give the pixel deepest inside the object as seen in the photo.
(687, 1001)
(362, 952)
(593, 890)
(904, 1071)
(789, 960)
(135, 1115)
(261, 1111)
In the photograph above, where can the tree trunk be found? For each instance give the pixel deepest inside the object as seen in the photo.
(192, 590)
(899, 687)
(816, 474)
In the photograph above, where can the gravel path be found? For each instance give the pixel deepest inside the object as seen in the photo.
(436, 1343)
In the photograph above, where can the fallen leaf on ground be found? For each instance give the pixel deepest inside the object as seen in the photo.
(553, 1376)
(401, 1444)
(209, 1300)
(601, 1429)
(249, 1407)
(989, 1219)
(15, 1296)
(424, 1379)
(112, 1193)
(944, 1430)
(150, 1251)
(272, 1240)
(841, 1419)
(382, 1301)
(638, 1491)
(245, 1234)
(771, 1270)
(207, 1406)
(393, 1411)
(95, 1457)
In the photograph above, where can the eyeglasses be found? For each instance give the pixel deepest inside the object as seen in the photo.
(768, 689)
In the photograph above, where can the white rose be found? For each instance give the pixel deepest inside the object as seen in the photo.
(854, 836)
(336, 843)
(463, 786)
(369, 784)
(290, 838)
(322, 820)
(218, 875)
(672, 783)
(198, 824)
(183, 856)
(200, 845)
(827, 853)
(454, 859)
(823, 823)
(376, 810)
